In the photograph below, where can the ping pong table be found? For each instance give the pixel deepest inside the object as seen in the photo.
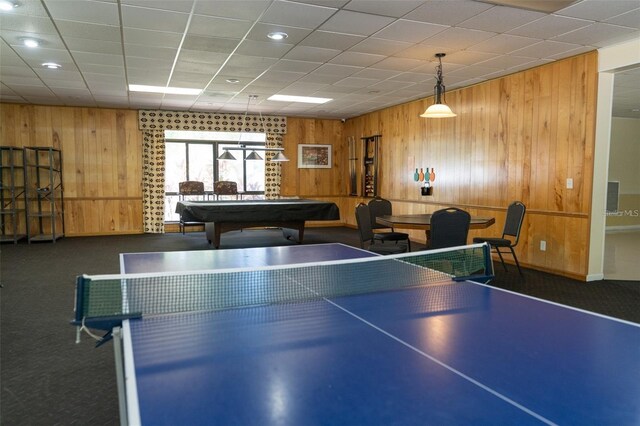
(444, 353)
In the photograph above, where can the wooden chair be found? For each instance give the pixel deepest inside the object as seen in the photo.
(225, 187)
(381, 207)
(512, 226)
(190, 188)
(449, 228)
(363, 219)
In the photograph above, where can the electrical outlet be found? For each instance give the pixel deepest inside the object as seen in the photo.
(569, 183)
(543, 245)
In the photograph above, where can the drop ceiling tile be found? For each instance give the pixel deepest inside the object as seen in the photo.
(47, 41)
(85, 58)
(545, 48)
(572, 52)
(377, 74)
(503, 43)
(412, 77)
(152, 38)
(153, 19)
(311, 54)
(458, 38)
(177, 6)
(331, 40)
(30, 80)
(138, 76)
(470, 72)
(467, 57)
(88, 45)
(549, 27)
(598, 10)
(218, 27)
(246, 9)
(198, 56)
(89, 31)
(315, 77)
(42, 100)
(279, 77)
(303, 88)
(30, 8)
(70, 92)
(149, 63)
(629, 19)
(151, 52)
(505, 62)
(420, 51)
(189, 79)
(27, 24)
(378, 46)
(104, 90)
(355, 82)
(65, 84)
(210, 44)
(296, 14)
(250, 62)
(18, 71)
(383, 7)
(447, 12)
(9, 57)
(398, 64)
(500, 19)
(41, 55)
(87, 11)
(242, 73)
(409, 31)
(295, 66)
(597, 34)
(336, 70)
(356, 59)
(263, 48)
(391, 85)
(260, 31)
(348, 22)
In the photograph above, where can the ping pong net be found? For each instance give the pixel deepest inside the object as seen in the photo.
(103, 301)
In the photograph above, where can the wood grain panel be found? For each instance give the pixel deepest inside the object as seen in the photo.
(515, 138)
(102, 162)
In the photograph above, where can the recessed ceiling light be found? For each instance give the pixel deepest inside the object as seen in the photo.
(162, 89)
(52, 65)
(278, 35)
(303, 99)
(6, 5)
(30, 42)
(233, 80)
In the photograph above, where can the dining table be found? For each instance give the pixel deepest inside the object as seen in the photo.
(423, 221)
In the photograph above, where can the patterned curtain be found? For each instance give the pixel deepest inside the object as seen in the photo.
(154, 123)
(153, 182)
(272, 170)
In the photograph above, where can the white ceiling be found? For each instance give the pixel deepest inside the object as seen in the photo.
(365, 54)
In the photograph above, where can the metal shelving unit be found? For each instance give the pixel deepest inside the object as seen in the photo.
(44, 192)
(13, 206)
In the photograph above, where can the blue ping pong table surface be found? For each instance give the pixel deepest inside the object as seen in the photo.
(452, 353)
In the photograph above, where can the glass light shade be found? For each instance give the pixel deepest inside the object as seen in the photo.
(226, 156)
(279, 157)
(253, 156)
(438, 111)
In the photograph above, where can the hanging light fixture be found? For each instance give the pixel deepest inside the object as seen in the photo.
(438, 109)
(253, 155)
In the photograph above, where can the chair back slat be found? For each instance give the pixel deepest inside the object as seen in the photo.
(225, 187)
(191, 187)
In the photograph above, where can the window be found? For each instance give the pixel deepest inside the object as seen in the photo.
(190, 156)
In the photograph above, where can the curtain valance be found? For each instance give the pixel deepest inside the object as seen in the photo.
(158, 120)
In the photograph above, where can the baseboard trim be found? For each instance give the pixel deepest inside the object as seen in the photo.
(595, 277)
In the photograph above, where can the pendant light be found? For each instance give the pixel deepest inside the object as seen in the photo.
(438, 109)
(253, 155)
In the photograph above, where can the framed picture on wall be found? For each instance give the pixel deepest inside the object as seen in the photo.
(314, 156)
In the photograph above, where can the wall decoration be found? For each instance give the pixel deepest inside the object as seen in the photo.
(314, 156)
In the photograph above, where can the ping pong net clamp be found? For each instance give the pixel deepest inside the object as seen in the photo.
(104, 301)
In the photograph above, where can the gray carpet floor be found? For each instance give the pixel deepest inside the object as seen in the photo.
(48, 379)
